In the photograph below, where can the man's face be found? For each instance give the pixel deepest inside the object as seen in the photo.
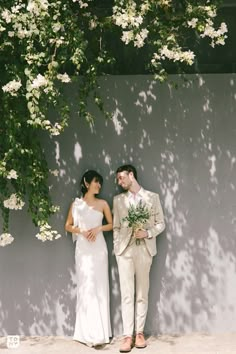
(124, 179)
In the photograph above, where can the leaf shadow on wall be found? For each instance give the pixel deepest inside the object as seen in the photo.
(185, 140)
(183, 145)
(37, 294)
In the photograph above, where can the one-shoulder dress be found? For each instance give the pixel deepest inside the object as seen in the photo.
(92, 325)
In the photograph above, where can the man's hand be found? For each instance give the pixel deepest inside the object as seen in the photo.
(140, 233)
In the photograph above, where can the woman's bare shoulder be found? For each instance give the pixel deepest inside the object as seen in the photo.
(103, 203)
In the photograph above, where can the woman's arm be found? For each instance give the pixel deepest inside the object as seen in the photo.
(69, 223)
(108, 226)
(108, 217)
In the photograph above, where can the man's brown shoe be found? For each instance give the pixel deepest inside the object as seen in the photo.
(140, 341)
(126, 345)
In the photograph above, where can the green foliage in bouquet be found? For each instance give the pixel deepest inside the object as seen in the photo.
(138, 215)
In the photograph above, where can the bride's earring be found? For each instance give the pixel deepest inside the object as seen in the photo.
(86, 184)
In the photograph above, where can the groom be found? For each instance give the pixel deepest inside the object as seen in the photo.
(134, 259)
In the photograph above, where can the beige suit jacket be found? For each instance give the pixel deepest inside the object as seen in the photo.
(121, 231)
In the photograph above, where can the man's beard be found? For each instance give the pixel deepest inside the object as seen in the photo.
(127, 187)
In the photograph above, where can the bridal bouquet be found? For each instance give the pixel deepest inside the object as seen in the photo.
(137, 216)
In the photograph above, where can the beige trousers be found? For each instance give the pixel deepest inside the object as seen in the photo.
(134, 266)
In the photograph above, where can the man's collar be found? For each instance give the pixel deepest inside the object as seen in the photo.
(138, 194)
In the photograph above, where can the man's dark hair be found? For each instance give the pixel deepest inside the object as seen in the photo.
(88, 177)
(127, 168)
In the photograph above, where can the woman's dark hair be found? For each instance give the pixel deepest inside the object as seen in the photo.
(127, 168)
(88, 177)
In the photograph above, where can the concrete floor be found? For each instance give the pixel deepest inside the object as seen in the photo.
(187, 344)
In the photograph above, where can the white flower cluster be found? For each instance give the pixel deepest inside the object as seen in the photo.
(6, 15)
(175, 54)
(165, 3)
(6, 239)
(39, 81)
(207, 29)
(126, 17)
(56, 27)
(12, 87)
(127, 36)
(193, 22)
(12, 174)
(217, 36)
(54, 130)
(35, 87)
(209, 10)
(93, 23)
(82, 4)
(64, 77)
(55, 208)
(137, 38)
(129, 18)
(21, 18)
(46, 233)
(140, 38)
(14, 203)
(36, 7)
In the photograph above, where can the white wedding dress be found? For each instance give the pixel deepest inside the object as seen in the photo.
(92, 325)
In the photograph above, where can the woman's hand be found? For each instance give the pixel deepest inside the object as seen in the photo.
(91, 234)
(85, 233)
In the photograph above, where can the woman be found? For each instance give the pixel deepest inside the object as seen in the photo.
(84, 221)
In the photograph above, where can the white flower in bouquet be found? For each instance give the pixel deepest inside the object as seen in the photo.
(137, 217)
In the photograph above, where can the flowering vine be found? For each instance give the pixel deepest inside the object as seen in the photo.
(165, 26)
(46, 45)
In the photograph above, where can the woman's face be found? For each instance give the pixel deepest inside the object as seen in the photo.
(95, 186)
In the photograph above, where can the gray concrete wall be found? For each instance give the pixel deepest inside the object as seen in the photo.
(183, 145)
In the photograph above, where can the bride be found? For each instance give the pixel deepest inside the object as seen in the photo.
(84, 221)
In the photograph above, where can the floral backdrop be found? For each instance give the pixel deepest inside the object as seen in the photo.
(45, 45)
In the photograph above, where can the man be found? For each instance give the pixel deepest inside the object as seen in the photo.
(134, 259)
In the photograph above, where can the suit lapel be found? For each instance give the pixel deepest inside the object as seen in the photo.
(146, 197)
(126, 200)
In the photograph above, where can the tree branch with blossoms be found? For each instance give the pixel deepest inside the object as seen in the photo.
(164, 25)
(47, 45)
